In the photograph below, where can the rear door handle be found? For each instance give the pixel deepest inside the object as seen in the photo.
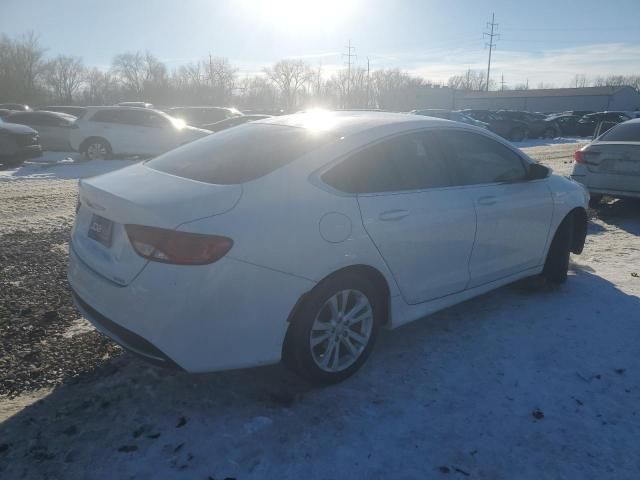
(488, 200)
(391, 215)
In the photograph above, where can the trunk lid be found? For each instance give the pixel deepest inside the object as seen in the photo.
(617, 158)
(143, 196)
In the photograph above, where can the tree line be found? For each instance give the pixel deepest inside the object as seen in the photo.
(28, 76)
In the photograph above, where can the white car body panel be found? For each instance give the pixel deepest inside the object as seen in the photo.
(291, 231)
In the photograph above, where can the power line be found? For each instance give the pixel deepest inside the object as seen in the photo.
(492, 25)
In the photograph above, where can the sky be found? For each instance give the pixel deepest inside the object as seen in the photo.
(548, 41)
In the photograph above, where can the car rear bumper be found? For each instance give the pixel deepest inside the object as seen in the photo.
(609, 184)
(230, 314)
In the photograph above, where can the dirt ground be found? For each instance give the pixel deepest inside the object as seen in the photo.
(525, 382)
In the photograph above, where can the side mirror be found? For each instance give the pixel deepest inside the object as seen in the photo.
(537, 172)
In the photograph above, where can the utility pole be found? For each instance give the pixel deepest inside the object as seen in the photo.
(368, 81)
(491, 25)
(502, 82)
(349, 56)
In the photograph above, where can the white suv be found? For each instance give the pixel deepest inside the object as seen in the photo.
(105, 131)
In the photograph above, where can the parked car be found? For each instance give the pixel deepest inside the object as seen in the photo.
(300, 237)
(514, 130)
(15, 106)
(570, 125)
(200, 116)
(451, 115)
(5, 112)
(538, 125)
(53, 127)
(595, 118)
(580, 113)
(234, 122)
(135, 104)
(105, 131)
(68, 109)
(17, 143)
(610, 165)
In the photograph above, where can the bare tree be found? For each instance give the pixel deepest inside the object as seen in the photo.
(221, 76)
(471, 80)
(100, 88)
(63, 76)
(580, 81)
(290, 77)
(141, 74)
(21, 66)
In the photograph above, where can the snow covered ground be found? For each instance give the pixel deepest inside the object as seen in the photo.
(527, 382)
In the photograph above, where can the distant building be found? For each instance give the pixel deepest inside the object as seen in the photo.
(553, 99)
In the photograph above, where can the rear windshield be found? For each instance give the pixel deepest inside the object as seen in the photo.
(625, 132)
(240, 154)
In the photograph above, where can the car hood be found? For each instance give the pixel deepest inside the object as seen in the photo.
(16, 128)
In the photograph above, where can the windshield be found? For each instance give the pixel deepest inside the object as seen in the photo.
(240, 154)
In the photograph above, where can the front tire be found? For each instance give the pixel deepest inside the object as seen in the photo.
(557, 264)
(334, 331)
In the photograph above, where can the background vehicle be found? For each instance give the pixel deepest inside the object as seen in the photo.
(53, 127)
(200, 116)
(135, 104)
(538, 125)
(177, 238)
(234, 122)
(17, 143)
(451, 115)
(610, 165)
(570, 125)
(15, 106)
(68, 109)
(514, 130)
(5, 112)
(105, 131)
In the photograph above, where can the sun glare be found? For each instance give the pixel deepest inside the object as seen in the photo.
(299, 14)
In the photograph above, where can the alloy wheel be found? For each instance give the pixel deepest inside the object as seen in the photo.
(341, 331)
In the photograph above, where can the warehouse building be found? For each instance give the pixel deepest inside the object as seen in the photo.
(597, 99)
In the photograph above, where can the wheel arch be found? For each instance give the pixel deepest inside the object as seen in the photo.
(369, 272)
(579, 234)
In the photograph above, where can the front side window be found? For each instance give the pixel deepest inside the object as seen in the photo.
(476, 159)
(407, 162)
(241, 154)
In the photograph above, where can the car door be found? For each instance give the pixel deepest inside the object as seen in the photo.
(109, 124)
(59, 128)
(421, 227)
(513, 213)
(149, 133)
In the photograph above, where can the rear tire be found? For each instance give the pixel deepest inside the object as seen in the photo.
(96, 149)
(557, 264)
(594, 201)
(334, 331)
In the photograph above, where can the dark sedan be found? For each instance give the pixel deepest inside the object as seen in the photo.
(17, 143)
(570, 125)
(509, 128)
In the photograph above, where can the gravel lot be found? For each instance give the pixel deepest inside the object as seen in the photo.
(560, 405)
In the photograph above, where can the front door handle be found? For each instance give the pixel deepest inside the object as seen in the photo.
(488, 200)
(391, 215)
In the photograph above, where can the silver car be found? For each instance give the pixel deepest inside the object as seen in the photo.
(610, 165)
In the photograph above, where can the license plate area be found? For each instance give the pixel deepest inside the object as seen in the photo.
(101, 229)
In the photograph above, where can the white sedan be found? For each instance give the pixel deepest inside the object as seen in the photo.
(299, 237)
(610, 165)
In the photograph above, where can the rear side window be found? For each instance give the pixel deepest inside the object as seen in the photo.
(107, 116)
(240, 154)
(476, 159)
(624, 132)
(408, 162)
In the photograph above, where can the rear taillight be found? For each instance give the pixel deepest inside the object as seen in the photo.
(180, 248)
(579, 156)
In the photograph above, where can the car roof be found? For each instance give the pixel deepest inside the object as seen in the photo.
(350, 122)
(32, 113)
